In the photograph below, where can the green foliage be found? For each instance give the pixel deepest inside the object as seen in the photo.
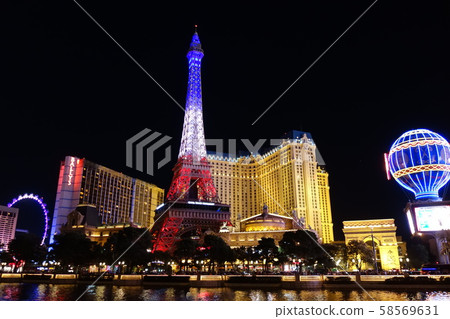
(359, 253)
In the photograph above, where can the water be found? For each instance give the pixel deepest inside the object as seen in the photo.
(42, 292)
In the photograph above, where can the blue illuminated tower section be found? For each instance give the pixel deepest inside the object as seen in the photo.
(193, 138)
(192, 177)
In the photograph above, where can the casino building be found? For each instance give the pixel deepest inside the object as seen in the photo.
(291, 179)
(254, 228)
(117, 197)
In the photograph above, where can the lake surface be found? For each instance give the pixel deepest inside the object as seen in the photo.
(42, 292)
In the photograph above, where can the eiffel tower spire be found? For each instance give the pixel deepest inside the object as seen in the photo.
(192, 166)
(193, 138)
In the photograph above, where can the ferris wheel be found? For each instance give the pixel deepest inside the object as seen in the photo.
(41, 203)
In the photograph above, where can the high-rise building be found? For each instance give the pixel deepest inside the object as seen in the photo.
(118, 198)
(192, 205)
(290, 178)
(8, 222)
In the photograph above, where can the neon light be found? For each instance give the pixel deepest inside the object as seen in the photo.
(421, 169)
(159, 206)
(410, 222)
(419, 161)
(71, 170)
(201, 203)
(386, 166)
(41, 203)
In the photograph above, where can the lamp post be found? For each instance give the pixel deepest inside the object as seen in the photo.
(374, 253)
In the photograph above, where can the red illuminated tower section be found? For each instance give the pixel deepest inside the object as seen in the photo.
(192, 205)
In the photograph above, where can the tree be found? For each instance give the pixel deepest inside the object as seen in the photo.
(339, 252)
(73, 248)
(268, 251)
(185, 249)
(359, 253)
(6, 257)
(27, 247)
(333, 251)
(132, 245)
(302, 245)
(417, 253)
(244, 254)
(217, 251)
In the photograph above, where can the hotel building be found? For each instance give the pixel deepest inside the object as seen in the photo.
(290, 178)
(117, 197)
(8, 222)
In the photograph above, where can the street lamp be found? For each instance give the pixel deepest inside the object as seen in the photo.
(374, 253)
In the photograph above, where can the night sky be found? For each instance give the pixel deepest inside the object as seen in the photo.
(68, 89)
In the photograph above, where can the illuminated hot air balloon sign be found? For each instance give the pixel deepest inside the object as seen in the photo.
(419, 160)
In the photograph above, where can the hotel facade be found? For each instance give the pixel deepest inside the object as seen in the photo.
(8, 222)
(117, 197)
(291, 179)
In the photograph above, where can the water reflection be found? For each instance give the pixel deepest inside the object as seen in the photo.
(42, 292)
(438, 296)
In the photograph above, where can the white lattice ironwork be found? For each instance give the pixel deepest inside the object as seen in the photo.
(193, 138)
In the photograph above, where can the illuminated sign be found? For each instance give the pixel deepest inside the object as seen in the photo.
(432, 218)
(71, 170)
(386, 166)
(201, 203)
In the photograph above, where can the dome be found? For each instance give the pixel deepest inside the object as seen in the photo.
(419, 160)
(265, 223)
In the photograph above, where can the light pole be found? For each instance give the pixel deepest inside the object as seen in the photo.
(374, 253)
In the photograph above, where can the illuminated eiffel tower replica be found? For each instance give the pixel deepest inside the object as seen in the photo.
(192, 205)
